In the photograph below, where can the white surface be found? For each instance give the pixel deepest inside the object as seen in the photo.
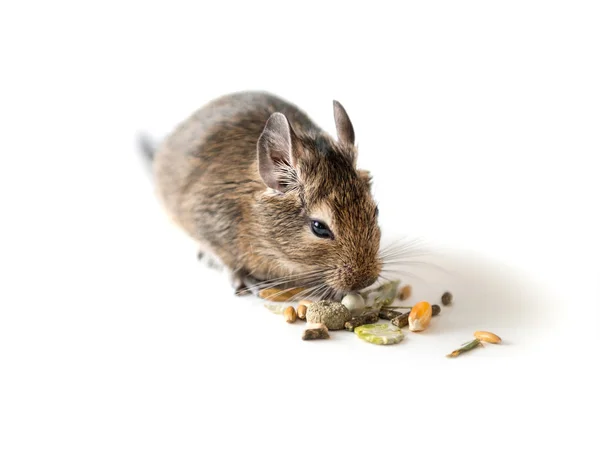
(480, 124)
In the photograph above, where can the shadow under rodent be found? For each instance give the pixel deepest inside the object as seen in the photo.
(270, 196)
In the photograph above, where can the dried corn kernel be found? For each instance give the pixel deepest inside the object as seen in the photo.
(486, 336)
(420, 316)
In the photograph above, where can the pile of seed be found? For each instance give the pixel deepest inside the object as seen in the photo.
(361, 313)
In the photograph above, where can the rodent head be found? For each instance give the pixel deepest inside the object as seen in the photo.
(318, 214)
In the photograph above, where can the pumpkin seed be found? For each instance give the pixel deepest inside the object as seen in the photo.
(379, 333)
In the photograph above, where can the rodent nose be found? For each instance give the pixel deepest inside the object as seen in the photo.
(365, 282)
(356, 279)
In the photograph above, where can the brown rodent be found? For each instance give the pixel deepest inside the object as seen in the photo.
(271, 196)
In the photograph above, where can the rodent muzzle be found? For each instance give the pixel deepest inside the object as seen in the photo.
(349, 278)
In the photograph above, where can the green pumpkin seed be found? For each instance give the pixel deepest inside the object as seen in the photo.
(380, 333)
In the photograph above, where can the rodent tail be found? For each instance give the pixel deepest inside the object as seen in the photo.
(147, 148)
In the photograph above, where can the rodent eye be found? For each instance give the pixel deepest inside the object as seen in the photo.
(320, 230)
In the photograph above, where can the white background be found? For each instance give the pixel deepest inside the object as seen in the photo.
(480, 123)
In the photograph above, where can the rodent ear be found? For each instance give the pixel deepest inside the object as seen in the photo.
(275, 153)
(343, 125)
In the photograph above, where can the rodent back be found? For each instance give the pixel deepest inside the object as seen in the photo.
(206, 169)
(234, 119)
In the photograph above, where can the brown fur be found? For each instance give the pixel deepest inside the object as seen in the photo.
(209, 180)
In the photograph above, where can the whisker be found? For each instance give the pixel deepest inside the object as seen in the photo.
(321, 294)
(405, 251)
(283, 279)
(395, 264)
(291, 276)
(306, 293)
(383, 277)
(403, 273)
(276, 294)
(402, 247)
(282, 290)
